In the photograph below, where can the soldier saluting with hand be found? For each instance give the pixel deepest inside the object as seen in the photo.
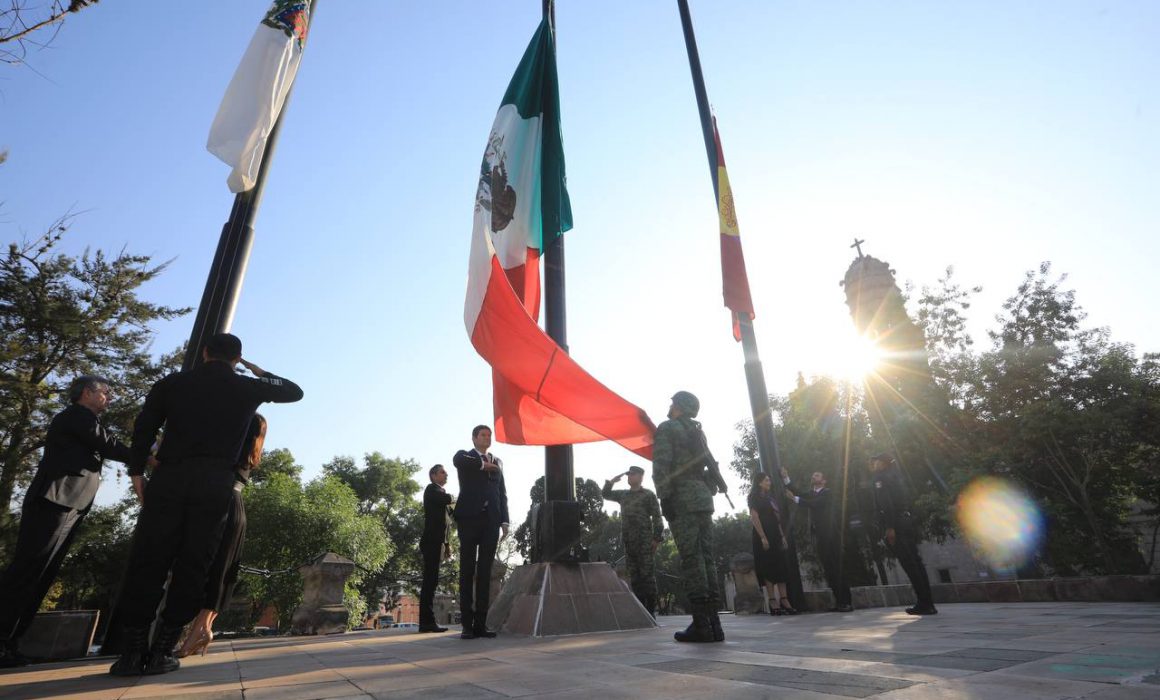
(641, 531)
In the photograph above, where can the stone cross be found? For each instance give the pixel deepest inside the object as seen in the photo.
(858, 245)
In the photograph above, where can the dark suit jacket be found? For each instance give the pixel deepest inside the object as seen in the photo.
(478, 487)
(435, 502)
(74, 452)
(820, 506)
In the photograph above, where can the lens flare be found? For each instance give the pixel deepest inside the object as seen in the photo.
(1000, 521)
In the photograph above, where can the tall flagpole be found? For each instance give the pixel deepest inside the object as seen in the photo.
(559, 482)
(223, 285)
(767, 455)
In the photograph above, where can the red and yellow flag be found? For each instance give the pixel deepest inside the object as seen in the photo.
(734, 280)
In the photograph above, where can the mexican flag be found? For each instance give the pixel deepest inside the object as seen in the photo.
(541, 396)
(258, 90)
(734, 280)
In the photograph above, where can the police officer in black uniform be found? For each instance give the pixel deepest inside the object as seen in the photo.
(206, 413)
(892, 507)
(57, 501)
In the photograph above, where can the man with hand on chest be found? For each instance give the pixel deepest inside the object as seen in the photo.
(480, 514)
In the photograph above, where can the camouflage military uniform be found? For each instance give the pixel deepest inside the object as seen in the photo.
(678, 471)
(640, 526)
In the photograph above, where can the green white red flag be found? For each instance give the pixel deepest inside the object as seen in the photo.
(541, 395)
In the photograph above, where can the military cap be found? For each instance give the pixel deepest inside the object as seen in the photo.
(636, 470)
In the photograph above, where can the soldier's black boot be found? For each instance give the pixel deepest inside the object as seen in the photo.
(161, 658)
(700, 630)
(135, 647)
(715, 621)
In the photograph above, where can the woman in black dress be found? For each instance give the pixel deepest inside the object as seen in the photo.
(769, 544)
(223, 573)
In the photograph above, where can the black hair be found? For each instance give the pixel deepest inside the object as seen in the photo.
(432, 470)
(476, 429)
(86, 381)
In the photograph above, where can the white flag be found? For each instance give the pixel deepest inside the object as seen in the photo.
(258, 90)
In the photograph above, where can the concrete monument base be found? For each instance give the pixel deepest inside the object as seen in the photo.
(563, 598)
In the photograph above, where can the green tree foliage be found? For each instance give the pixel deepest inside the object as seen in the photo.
(592, 516)
(289, 524)
(61, 316)
(277, 461)
(386, 491)
(1067, 413)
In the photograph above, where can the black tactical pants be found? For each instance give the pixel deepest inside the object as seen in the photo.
(830, 552)
(905, 549)
(180, 529)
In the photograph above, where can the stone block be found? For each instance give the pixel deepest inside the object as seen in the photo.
(562, 598)
(943, 593)
(818, 601)
(601, 578)
(565, 578)
(1037, 590)
(63, 634)
(557, 617)
(594, 613)
(1002, 591)
(630, 614)
(748, 599)
(322, 610)
(1075, 589)
(972, 592)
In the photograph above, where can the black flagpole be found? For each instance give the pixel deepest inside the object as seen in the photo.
(223, 286)
(560, 522)
(768, 459)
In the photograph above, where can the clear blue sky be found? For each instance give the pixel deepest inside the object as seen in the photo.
(987, 135)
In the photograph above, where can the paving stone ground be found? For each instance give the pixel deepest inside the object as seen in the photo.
(1096, 651)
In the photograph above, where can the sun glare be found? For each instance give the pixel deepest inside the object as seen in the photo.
(848, 358)
(856, 359)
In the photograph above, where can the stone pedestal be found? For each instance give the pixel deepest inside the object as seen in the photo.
(322, 610)
(748, 599)
(562, 598)
(64, 634)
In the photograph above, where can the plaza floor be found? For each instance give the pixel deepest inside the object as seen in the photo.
(1101, 651)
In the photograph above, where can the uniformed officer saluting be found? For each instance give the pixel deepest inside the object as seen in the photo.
(206, 412)
(641, 530)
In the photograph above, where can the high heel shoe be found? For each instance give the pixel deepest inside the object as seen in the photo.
(196, 642)
(788, 610)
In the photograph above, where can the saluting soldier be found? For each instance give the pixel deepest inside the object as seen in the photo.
(641, 531)
(687, 478)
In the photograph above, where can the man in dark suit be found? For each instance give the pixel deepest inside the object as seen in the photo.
(59, 497)
(433, 545)
(482, 511)
(207, 413)
(825, 523)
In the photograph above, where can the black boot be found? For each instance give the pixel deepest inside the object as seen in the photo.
(161, 658)
(715, 621)
(700, 630)
(135, 647)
